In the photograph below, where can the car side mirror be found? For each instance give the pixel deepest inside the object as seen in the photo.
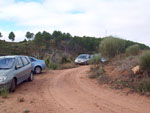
(16, 67)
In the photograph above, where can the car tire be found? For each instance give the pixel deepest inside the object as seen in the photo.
(76, 63)
(31, 77)
(38, 70)
(13, 85)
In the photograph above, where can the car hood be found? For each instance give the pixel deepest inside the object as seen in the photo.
(4, 72)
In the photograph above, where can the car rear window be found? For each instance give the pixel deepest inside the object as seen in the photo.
(32, 60)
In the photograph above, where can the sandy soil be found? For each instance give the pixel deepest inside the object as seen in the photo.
(71, 91)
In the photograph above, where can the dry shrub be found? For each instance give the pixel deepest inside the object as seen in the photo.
(67, 66)
(4, 93)
(96, 71)
(142, 86)
(133, 50)
(111, 47)
(96, 59)
(145, 61)
(65, 60)
(50, 64)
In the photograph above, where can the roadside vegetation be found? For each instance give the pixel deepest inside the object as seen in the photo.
(4, 93)
(65, 63)
(145, 62)
(61, 48)
(96, 66)
(133, 50)
(111, 47)
(50, 64)
(128, 66)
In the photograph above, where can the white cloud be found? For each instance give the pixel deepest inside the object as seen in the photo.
(128, 19)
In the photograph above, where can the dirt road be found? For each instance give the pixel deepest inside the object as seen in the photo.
(71, 91)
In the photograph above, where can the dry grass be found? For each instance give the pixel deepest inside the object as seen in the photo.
(4, 93)
(67, 66)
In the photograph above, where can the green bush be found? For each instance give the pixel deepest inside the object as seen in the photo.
(50, 64)
(144, 86)
(67, 66)
(145, 61)
(4, 93)
(96, 71)
(65, 60)
(95, 59)
(111, 47)
(133, 50)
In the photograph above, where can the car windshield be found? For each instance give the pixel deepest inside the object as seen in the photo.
(6, 63)
(82, 56)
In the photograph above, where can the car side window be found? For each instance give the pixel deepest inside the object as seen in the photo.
(19, 63)
(25, 61)
(28, 60)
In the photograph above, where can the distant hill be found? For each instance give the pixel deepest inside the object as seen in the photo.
(56, 44)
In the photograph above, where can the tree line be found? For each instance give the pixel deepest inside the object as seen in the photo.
(46, 41)
(12, 36)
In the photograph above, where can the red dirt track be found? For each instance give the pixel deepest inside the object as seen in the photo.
(71, 91)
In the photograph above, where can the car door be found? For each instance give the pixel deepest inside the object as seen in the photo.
(26, 67)
(19, 70)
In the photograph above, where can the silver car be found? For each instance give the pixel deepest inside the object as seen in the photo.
(14, 70)
(83, 59)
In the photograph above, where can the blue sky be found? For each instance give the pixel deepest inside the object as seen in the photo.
(10, 25)
(128, 19)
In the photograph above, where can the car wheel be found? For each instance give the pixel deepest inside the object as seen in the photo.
(76, 63)
(31, 77)
(13, 85)
(37, 70)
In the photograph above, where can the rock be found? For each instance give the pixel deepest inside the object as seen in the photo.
(32, 102)
(21, 99)
(26, 111)
(136, 69)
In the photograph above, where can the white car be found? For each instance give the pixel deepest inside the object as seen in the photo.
(83, 59)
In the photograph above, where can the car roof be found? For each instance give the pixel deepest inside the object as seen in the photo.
(33, 57)
(12, 56)
(83, 54)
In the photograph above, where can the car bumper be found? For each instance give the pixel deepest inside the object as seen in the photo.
(43, 67)
(86, 62)
(5, 86)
